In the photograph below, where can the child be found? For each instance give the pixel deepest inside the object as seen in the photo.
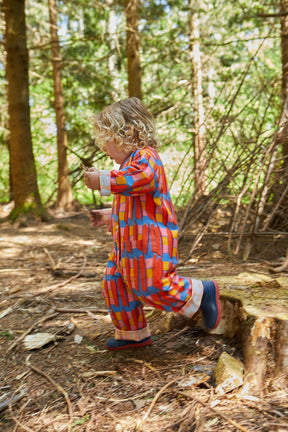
(142, 265)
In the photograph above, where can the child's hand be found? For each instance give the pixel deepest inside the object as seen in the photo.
(91, 178)
(101, 217)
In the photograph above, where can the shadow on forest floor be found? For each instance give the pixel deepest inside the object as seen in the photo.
(50, 282)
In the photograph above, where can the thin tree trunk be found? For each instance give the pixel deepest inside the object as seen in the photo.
(200, 155)
(112, 59)
(133, 48)
(64, 193)
(283, 135)
(23, 172)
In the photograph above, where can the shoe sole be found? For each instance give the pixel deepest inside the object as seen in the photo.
(143, 344)
(218, 305)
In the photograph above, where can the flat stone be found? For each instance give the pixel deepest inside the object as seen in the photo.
(228, 373)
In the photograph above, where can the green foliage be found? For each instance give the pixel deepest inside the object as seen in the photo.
(4, 173)
(7, 335)
(241, 66)
(81, 421)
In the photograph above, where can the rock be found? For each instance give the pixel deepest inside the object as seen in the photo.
(38, 340)
(283, 282)
(228, 373)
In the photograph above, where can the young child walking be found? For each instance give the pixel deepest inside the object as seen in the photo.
(142, 265)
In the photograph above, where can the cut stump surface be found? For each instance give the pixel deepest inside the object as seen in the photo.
(255, 309)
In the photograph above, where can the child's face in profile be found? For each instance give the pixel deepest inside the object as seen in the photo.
(115, 153)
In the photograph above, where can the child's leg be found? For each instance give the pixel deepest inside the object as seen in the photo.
(157, 283)
(125, 308)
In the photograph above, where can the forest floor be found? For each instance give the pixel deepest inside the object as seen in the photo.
(50, 282)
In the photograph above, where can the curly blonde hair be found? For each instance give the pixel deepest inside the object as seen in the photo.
(127, 123)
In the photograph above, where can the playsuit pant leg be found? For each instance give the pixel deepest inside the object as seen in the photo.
(154, 280)
(125, 295)
(125, 308)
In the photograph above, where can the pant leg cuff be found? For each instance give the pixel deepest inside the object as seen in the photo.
(135, 335)
(193, 304)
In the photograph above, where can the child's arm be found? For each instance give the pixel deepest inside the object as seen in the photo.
(101, 217)
(140, 177)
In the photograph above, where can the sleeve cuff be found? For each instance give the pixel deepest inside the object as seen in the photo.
(105, 182)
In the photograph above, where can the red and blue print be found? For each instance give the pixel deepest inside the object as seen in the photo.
(142, 266)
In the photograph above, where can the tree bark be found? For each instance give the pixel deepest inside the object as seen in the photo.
(112, 59)
(133, 48)
(64, 192)
(200, 154)
(255, 346)
(281, 351)
(284, 56)
(23, 171)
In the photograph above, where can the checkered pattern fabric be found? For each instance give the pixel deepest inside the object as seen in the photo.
(142, 265)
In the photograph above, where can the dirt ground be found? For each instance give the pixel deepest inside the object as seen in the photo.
(50, 282)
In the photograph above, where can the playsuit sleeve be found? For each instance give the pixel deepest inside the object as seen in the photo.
(140, 176)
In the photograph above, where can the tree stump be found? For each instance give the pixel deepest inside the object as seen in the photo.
(255, 309)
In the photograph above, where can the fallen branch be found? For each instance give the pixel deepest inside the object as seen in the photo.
(18, 423)
(60, 285)
(228, 419)
(12, 400)
(162, 390)
(138, 396)
(87, 310)
(281, 268)
(43, 319)
(177, 334)
(67, 310)
(59, 388)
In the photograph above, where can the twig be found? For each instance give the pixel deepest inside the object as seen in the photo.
(228, 419)
(59, 388)
(64, 310)
(43, 319)
(52, 263)
(18, 423)
(162, 390)
(26, 428)
(257, 407)
(126, 399)
(87, 310)
(201, 423)
(282, 267)
(176, 335)
(183, 418)
(141, 362)
(54, 287)
(275, 208)
(13, 399)
(282, 425)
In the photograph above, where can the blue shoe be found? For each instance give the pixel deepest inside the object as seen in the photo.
(118, 344)
(210, 304)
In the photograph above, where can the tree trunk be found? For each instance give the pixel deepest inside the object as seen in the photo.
(64, 193)
(23, 172)
(112, 59)
(200, 155)
(133, 48)
(284, 55)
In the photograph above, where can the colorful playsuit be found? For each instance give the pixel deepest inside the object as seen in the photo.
(141, 267)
